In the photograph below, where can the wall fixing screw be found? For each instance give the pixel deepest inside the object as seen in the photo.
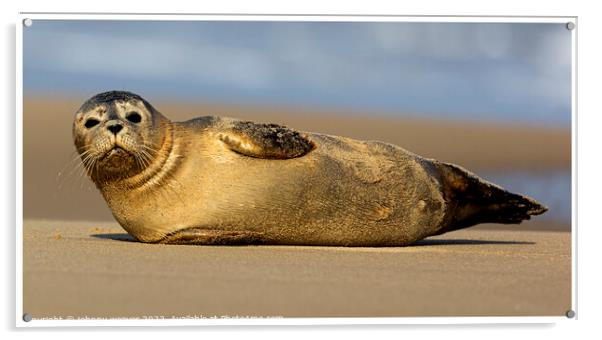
(570, 313)
(570, 26)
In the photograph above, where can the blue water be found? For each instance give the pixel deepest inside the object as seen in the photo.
(551, 188)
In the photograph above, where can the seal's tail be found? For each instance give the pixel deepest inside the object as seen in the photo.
(472, 200)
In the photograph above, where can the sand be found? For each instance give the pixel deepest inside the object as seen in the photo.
(93, 269)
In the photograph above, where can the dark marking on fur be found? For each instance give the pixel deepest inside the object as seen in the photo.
(270, 141)
(109, 98)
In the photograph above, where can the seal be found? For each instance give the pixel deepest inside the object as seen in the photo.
(213, 180)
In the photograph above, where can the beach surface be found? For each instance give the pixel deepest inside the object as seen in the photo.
(95, 270)
(74, 268)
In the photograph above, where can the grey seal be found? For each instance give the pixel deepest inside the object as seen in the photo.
(213, 180)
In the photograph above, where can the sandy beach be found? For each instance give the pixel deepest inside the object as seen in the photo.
(92, 269)
(79, 262)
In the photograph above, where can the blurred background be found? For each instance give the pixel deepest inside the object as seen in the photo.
(492, 97)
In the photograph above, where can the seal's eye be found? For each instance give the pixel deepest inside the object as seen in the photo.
(91, 122)
(134, 117)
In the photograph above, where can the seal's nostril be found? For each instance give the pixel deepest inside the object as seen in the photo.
(115, 128)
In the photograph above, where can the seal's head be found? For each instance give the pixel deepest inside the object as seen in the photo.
(118, 134)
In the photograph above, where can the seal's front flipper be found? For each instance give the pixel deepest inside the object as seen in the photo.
(200, 236)
(269, 141)
(472, 200)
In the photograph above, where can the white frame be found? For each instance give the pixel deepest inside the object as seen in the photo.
(281, 321)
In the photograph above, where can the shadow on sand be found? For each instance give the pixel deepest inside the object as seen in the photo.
(115, 237)
(421, 243)
(441, 242)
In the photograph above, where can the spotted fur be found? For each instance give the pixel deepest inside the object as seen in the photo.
(270, 141)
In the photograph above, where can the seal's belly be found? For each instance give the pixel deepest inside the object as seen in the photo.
(333, 195)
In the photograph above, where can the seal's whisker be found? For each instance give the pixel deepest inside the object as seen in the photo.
(149, 158)
(86, 154)
(87, 160)
(149, 147)
(72, 162)
(90, 163)
(143, 162)
(86, 168)
(138, 162)
(143, 156)
(153, 152)
(74, 155)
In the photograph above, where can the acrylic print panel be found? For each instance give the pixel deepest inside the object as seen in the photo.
(296, 222)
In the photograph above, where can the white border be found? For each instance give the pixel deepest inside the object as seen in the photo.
(290, 17)
(574, 168)
(279, 321)
(19, 173)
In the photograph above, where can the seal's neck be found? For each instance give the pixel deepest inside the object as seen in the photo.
(163, 163)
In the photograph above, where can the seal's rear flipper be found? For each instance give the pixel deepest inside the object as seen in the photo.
(472, 200)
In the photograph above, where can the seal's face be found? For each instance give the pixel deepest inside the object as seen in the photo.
(117, 135)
